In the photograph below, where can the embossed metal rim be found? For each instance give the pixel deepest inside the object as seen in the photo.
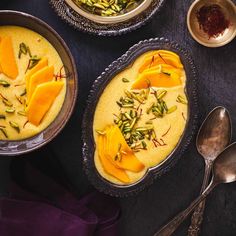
(97, 89)
(81, 23)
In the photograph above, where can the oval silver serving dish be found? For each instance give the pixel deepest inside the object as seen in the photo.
(106, 26)
(98, 87)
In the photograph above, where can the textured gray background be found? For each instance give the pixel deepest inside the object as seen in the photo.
(145, 213)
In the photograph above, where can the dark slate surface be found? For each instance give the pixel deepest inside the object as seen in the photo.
(145, 213)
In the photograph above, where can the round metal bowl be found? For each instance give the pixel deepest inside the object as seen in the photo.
(143, 5)
(200, 36)
(106, 26)
(12, 148)
(98, 87)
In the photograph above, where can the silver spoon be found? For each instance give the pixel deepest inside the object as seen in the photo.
(224, 171)
(213, 137)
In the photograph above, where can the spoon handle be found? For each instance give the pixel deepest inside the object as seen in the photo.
(170, 228)
(197, 217)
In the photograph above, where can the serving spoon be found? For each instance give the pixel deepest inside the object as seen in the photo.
(224, 171)
(213, 137)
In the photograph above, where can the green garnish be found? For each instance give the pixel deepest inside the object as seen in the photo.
(107, 7)
(10, 110)
(21, 113)
(172, 109)
(4, 132)
(125, 80)
(24, 49)
(7, 103)
(181, 99)
(33, 61)
(4, 83)
(15, 126)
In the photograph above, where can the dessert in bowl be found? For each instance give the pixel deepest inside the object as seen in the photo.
(144, 111)
(142, 117)
(38, 83)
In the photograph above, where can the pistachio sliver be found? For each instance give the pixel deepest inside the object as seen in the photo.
(22, 113)
(127, 116)
(161, 94)
(4, 83)
(7, 103)
(2, 117)
(181, 99)
(171, 109)
(125, 80)
(4, 132)
(10, 110)
(150, 108)
(15, 126)
(144, 144)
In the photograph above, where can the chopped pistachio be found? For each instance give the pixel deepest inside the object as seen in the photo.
(22, 113)
(10, 110)
(172, 109)
(4, 83)
(4, 132)
(125, 80)
(161, 94)
(7, 103)
(181, 99)
(15, 126)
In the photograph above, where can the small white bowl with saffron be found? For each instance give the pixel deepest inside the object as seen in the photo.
(212, 23)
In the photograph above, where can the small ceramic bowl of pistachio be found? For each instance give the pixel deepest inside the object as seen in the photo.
(109, 11)
(106, 17)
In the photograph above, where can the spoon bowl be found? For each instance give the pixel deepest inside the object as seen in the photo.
(214, 134)
(224, 168)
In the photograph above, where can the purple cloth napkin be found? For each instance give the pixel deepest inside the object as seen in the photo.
(50, 210)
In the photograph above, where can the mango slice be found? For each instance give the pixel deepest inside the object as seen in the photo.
(155, 79)
(7, 58)
(41, 76)
(41, 64)
(165, 68)
(108, 167)
(109, 145)
(116, 143)
(161, 57)
(42, 99)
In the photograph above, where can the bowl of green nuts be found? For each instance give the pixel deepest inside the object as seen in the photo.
(106, 17)
(109, 11)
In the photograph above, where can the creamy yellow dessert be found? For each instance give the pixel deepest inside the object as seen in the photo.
(140, 117)
(32, 83)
